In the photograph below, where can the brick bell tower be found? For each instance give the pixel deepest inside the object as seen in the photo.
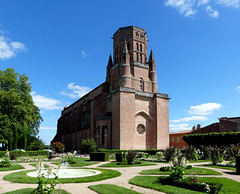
(139, 113)
(130, 51)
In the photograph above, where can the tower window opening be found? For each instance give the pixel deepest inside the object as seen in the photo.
(140, 58)
(128, 45)
(141, 84)
(137, 46)
(141, 47)
(137, 56)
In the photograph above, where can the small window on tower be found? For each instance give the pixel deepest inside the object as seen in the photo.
(137, 46)
(137, 56)
(141, 47)
(141, 84)
(140, 58)
(128, 45)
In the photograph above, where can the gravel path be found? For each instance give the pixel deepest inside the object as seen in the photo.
(127, 174)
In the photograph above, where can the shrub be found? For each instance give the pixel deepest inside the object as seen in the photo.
(130, 156)
(190, 153)
(69, 159)
(238, 164)
(168, 153)
(88, 145)
(57, 146)
(5, 163)
(3, 154)
(160, 156)
(177, 173)
(119, 157)
(99, 156)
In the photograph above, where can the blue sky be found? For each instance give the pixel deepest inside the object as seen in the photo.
(63, 47)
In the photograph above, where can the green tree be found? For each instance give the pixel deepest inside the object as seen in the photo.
(88, 145)
(19, 117)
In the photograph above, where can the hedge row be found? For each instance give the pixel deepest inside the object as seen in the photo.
(115, 151)
(26, 153)
(218, 139)
(99, 156)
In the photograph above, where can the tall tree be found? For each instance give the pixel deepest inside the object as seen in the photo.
(18, 114)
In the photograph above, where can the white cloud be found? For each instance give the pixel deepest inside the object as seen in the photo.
(46, 103)
(203, 2)
(185, 7)
(9, 49)
(84, 54)
(188, 119)
(211, 12)
(229, 3)
(204, 109)
(190, 8)
(238, 88)
(179, 127)
(76, 91)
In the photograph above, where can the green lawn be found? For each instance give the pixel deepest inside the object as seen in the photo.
(105, 188)
(198, 161)
(12, 167)
(114, 164)
(197, 171)
(229, 186)
(30, 190)
(21, 177)
(35, 165)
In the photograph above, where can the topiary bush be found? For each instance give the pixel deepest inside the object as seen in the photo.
(238, 164)
(99, 156)
(88, 145)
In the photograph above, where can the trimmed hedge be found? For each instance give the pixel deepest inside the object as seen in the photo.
(26, 153)
(218, 139)
(214, 187)
(114, 151)
(238, 164)
(99, 156)
(119, 157)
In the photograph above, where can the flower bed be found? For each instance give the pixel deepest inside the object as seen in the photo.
(188, 183)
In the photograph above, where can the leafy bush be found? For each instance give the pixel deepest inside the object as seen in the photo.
(177, 173)
(190, 153)
(216, 154)
(88, 145)
(168, 153)
(5, 163)
(57, 146)
(3, 154)
(160, 156)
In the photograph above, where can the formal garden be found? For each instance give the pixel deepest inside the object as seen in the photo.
(203, 169)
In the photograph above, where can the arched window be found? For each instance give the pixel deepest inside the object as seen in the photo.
(141, 84)
(141, 47)
(137, 46)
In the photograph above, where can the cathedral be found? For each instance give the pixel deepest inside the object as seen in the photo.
(126, 111)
